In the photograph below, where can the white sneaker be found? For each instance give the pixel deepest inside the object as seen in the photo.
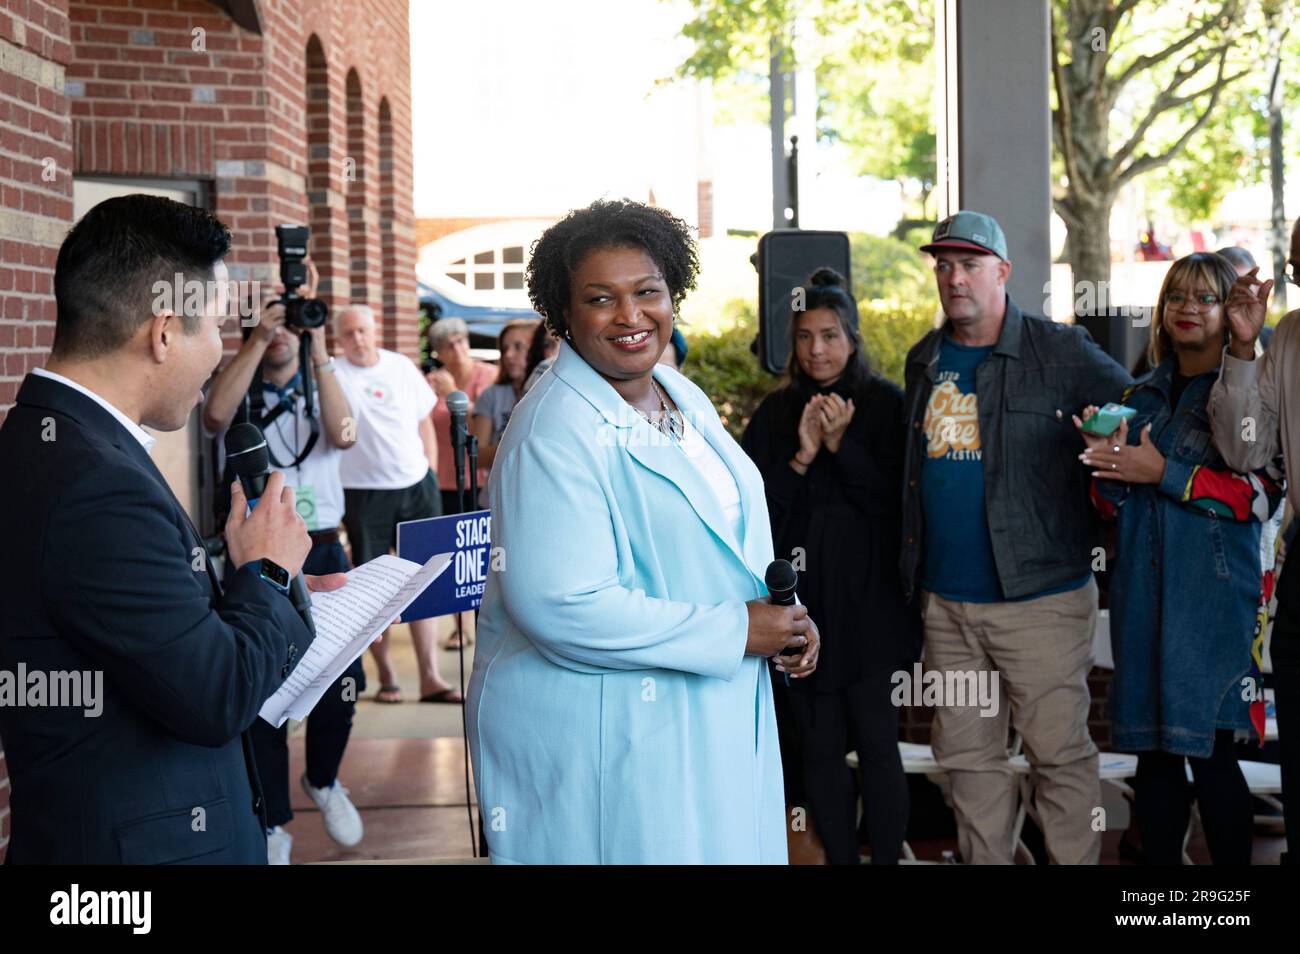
(342, 821)
(278, 843)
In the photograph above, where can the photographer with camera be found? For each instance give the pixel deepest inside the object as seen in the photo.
(268, 373)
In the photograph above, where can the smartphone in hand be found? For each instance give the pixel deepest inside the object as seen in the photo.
(1106, 421)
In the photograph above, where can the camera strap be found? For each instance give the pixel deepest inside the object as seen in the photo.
(255, 409)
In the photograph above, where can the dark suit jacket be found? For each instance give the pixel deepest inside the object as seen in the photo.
(97, 573)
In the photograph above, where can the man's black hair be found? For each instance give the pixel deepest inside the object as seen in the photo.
(110, 262)
(618, 223)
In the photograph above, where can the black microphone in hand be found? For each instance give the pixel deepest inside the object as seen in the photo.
(249, 458)
(781, 579)
(458, 407)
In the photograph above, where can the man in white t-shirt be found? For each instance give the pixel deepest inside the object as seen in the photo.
(390, 476)
(264, 376)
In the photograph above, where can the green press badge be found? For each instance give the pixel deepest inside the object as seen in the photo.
(305, 501)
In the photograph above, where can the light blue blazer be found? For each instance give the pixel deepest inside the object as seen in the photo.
(614, 717)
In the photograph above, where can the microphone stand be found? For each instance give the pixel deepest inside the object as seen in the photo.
(471, 447)
(479, 849)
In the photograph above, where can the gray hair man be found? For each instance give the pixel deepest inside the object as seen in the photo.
(388, 477)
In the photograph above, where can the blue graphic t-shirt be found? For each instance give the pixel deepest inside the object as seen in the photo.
(959, 561)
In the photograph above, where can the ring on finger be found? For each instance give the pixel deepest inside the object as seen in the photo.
(1114, 466)
(1116, 448)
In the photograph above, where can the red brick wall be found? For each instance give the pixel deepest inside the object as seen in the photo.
(238, 113)
(118, 87)
(704, 207)
(35, 185)
(139, 100)
(430, 230)
(35, 160)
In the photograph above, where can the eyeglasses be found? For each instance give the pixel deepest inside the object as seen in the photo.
(1204, 301)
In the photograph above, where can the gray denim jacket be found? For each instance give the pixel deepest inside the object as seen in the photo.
(1035, 489)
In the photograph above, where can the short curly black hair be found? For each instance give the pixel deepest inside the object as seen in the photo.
(608, 223)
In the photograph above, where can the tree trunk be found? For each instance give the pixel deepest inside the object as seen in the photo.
(1088, 247)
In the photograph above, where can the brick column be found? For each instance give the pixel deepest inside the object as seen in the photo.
(36, 186)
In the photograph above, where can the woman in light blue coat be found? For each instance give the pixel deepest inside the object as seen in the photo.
(620, 711)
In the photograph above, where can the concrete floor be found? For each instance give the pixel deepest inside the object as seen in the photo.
(405, 769)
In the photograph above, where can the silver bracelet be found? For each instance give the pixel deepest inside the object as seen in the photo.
(327, 366)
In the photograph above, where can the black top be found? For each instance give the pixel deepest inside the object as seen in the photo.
(845, 517)
(1176, 388)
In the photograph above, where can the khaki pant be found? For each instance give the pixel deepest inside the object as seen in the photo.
(1042, 652)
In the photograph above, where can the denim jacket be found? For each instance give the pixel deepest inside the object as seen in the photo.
(1035, 493)
(1185, 583)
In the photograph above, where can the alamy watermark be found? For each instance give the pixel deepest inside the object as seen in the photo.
(1094, 298)
(191, 297)
(75, 906)
(949, 688)
(65, 689)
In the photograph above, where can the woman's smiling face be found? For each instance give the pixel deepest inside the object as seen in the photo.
(620, 311)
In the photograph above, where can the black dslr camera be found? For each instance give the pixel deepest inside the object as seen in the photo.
(299, 312)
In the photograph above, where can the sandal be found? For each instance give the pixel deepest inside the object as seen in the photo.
(451, 694)
(456, 639)
(389, 695)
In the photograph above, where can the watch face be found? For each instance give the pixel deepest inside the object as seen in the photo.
(275, 573)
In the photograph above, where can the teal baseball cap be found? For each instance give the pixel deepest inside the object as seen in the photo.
(972, 231)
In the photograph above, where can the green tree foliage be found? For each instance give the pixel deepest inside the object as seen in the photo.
(1232, 150)
(725, 368)
(886, 269)
(1135, 84)
(1139, 87)
(873, 63)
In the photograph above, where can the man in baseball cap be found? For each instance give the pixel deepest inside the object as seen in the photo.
(997, 542)
(973, 231)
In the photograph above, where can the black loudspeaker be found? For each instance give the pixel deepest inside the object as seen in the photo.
(1122, 332)
(786, 257)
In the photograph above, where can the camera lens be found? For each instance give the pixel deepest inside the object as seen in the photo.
(312, 313)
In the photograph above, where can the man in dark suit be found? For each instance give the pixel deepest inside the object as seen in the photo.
(101, 571)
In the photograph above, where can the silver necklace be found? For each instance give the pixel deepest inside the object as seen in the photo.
(670, 423)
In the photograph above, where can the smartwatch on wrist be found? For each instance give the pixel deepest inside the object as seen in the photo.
(275, 575)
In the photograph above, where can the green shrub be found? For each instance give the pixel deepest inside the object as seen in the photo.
(885, 269)
(725, 369)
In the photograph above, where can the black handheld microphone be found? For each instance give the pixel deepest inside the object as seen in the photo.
(781, 579)
(250, 459)
(458, 406)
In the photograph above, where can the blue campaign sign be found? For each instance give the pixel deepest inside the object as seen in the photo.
(467, 537)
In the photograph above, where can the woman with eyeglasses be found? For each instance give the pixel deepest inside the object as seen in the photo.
(1185, 584)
